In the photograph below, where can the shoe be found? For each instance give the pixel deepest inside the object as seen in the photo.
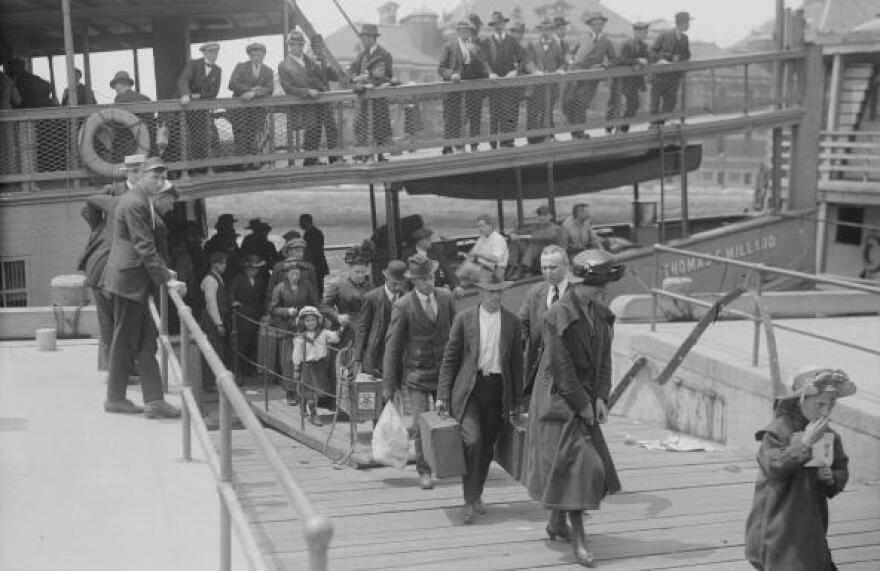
(579, 549)
(291, 398)
(557, 527)
(426, 482)
(470, 513)
(161, 409)
(314, 419)
(480, 506)
(123, 406)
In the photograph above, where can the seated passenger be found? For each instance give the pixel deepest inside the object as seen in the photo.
(525, 255)
(578, 231)
(490, 244)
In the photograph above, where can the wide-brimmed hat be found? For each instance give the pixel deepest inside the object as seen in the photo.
(133, 162)
(291, 234)
(296, 37)
(121, 76)
(153, 163)
(419, 267)
(518, 27)
(309, 310)
(590, 16)
(641, 25)
(217, 256)
(560, 21)
(207, 46)
(396, 270)
(545, 24)
(370, 30)
(493, 283)
(257, 225)
(421, 234)
(813, 380)
(498, 18)
(225, 220)
(595, 267)
(462, 24)
(255, 46)
(253, 261)
(682, 17)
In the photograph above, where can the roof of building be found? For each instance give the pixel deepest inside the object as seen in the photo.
(344, 44)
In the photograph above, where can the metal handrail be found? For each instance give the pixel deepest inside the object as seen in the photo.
(318, 529)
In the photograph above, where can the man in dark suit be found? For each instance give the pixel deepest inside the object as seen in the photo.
(304, 77)
(634, 53)
(315, 250)
(671, 46)
(547, 54)
(375, 315)
(461, 60)
(200, 79)
(372, 67)
(133, 269)
(417, 334)
(250, 80)
(505, 57)
(479, 381)
(594, 51)
(554, 267)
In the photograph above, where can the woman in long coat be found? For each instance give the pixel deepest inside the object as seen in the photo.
(567, 465)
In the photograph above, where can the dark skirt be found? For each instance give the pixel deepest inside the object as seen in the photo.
(316, 380)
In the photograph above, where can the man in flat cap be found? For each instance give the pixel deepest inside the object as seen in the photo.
(200, 79)
(671, 46)
(594, 51)
(547, 55)
(505, 57)
(462, 59)
(250, 80)
(372, 67)
(308, 78)
(634, 53)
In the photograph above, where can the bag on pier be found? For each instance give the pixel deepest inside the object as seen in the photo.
(390, 439)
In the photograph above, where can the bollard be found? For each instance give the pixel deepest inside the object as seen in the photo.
(46, 339)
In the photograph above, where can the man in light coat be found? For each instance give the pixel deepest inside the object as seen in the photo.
(479, 377)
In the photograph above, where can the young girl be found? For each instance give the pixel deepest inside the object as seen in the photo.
(787, 526)
(310, 358)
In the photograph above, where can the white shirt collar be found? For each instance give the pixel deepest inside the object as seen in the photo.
(389, 293)
(424, 298)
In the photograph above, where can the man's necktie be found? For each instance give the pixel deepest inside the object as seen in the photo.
(555, 297)
(429, 310)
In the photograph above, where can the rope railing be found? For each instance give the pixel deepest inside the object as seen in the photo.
(317, 529)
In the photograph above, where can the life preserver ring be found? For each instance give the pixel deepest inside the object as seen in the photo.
(90, 156)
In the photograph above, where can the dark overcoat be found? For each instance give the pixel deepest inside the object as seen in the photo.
(669, 44)
(341, 296)
(630, 52)
(315, 251)
(452, 62)
(458, 372)
(194, 81)
(98, 212)
(788, 522)
(361, 63)
(503, 56)
(243, 80)
(414, 344)
(567, 464)
(531, 320)
(371, 328)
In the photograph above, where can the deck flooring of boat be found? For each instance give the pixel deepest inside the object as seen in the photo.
(678, 510)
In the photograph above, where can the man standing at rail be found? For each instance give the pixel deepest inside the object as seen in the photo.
(134, 269)
(417, 334)
(250, 80)
(594, 51)
(634, 53)
(547, 54)
(671, 46)
(200, 79)
(505, 56)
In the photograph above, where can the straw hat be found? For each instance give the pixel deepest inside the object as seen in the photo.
(813, 380)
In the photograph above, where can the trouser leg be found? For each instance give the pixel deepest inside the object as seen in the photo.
(419, 402)
(104, 309)
(480, 426)
(148, 366)
(124, 346)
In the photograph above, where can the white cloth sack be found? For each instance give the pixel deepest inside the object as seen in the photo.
(390, 439)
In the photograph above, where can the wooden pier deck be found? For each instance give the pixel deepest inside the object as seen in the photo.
(678, 510)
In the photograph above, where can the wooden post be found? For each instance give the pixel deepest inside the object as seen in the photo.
(373, 215)
(519, 198)
(68, 54)
(136, 67)
(52, 73)
(500, 216)
(285, 27)
(87, 60)
(551, 191)
(391, 223)
(661, 229)
(683, 175)
(636, 207)
(776, 140)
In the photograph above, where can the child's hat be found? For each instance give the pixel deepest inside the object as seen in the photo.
(309, 310)
(814, 380)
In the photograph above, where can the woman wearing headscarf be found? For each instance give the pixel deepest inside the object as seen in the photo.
(567, 465)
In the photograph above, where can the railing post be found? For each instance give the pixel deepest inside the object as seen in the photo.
(225, 473)
(654, 278)
(756, 346)
(318, 532)
(185, 373)
(163, 332)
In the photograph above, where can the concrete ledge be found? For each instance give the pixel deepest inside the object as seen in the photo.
(780, 304)
(22, 322)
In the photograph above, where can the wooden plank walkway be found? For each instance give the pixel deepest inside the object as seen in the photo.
(677, 511)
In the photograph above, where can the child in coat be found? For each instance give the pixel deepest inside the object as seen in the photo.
(310, 358)
(802, 465)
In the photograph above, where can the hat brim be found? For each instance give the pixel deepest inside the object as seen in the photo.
(595, 18)
(420, 276)
(259, 264)
(489, 286)
(129, 81)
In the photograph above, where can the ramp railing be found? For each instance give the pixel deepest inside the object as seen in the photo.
(317, 529)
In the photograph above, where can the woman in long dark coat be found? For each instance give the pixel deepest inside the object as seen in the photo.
(567, 465)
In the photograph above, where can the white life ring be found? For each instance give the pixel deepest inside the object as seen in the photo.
(90, 157)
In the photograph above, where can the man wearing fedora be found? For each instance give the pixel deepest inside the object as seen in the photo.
(123, 85)
(479, 381)
(671, 46)
(247, 296)
(594, 51)
(215, 319)
(505, 57)
(250, 80)
(634, 53)
(200, 79)
(372, 322)
(463, 59)
(123, 140)
(417, 334)
(257, 242)
(372, 67)
(134, 268)
(308, 78)
(560, 30)
(547, 55)
(225, 240)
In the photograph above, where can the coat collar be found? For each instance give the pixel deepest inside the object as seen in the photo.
(565, 311)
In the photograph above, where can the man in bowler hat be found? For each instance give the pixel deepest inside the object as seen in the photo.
(671, 46)
(506, 57)
(372, 322)
(634, 53)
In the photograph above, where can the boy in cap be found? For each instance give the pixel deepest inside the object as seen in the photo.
(215, 319)
(594, 51)
(671, 46)
(634, 53)
(200, 79)
(250, 80)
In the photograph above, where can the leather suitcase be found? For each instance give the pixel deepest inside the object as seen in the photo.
(442, 445)
(509, 449)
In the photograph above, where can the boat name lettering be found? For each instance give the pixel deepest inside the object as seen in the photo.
(735, 250)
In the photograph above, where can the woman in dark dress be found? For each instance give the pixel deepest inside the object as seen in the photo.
(344, 296)
(567, 465)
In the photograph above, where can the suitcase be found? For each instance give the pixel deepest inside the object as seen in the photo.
(509, 449)
(361, 398)
(442, 445)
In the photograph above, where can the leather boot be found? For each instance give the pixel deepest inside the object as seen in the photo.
(582, 555)
(557, 528)
(313, 415)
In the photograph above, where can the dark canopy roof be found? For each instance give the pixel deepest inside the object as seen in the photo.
(35, 27)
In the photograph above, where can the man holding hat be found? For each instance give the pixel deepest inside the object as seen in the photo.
(460, 60)
(250, 80)
(671, 46)
(358, 68)
(505, 57)
(134, 267)
(372, 322)
(417, 334)
(547, 54)
(634, 53)
(478, 383)
(308, 78)
(200, 79)
(594, 51)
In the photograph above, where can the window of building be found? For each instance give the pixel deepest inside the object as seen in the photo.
(747, 178)
(719, 178)
(708, 176)
(13, 287)
(849, 234)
